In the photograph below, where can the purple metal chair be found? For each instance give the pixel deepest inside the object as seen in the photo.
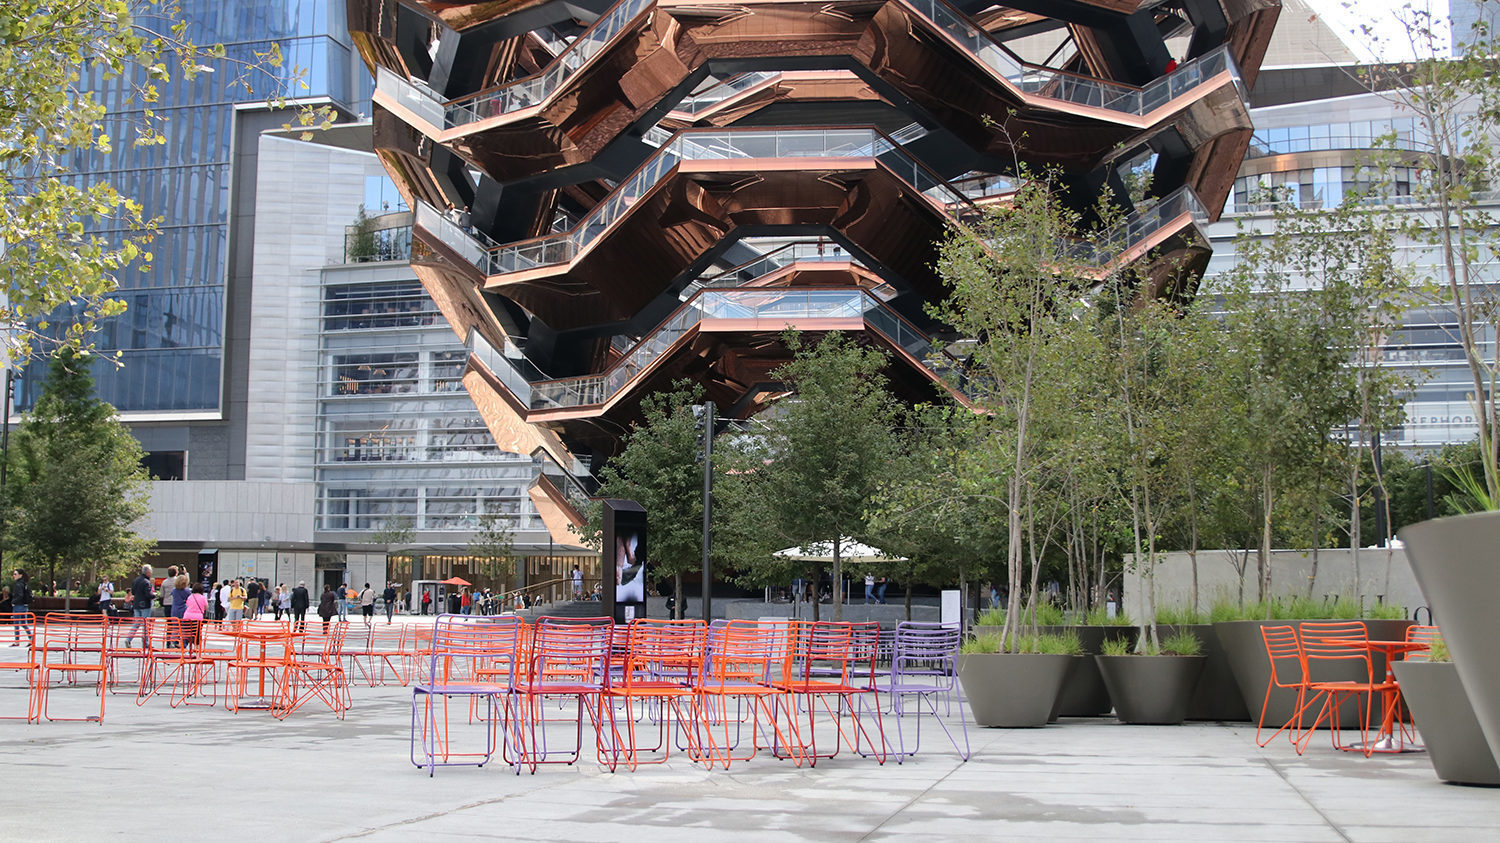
(473, 656)
(924, 673)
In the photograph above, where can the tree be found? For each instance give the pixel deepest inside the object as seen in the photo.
(660, 467)
(492, 543)
(70, 70)
(829, 446)
(76, 483)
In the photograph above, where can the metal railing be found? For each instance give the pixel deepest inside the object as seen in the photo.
(1031, 79)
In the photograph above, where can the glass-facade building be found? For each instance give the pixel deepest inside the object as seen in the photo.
(172, 337)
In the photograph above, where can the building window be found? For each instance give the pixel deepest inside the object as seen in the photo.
(165, 465)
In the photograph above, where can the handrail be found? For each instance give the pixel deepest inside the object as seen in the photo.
(1023, 76)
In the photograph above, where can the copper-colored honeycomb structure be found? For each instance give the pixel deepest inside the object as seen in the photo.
(612, 195)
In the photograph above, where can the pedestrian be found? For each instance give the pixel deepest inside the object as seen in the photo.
(389, 596)
(141, 594)
(194, 608)
(276, 603)
(426, 602)
(284, 605)
(327, 606)
(577, 583)
(465, 602)
(164, 594)
(106, 594)
(345, 594)
(880, 584)
(869, 589)
(298, 606)
(252, 599)
(223, 606)
(367, 604)
(237, 601)
(20, 604)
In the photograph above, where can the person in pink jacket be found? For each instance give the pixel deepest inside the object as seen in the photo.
(192, 615)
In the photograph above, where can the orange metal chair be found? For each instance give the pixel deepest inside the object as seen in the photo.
(831, 665)
(1287, 672)
(264, 647)
(320, 677)
(1341, 645)
(743, 664)
(76, 647)
(456, 639)
(568, 658)
(1429, 635)
(24, 660)
(182, 665)
(659, 665)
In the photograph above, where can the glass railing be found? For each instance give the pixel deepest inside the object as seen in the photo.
(821, 249)
(508, 370)
(777, 304)
(698, 103)
(710, 145)
(420, 100)
(1138, 227)
(533, 90)
(564, 481)
(1031, 79)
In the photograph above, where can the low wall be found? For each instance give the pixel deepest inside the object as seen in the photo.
(1383, 576)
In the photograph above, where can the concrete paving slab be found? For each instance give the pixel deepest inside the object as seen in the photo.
(325, 779)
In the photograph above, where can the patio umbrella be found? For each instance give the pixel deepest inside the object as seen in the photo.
(849, 551)
(456, 581)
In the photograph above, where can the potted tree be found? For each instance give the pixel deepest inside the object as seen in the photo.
(1013, 681)
(1153, 685)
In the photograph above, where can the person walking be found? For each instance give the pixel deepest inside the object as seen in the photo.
(880, 585)
(327, 607)
(869, 589)
(345, 595)
(284, 603)
(20, 603)
(252, 599)
(223, 606)
(465, 602)
(106, 595)
(276, 603)
(164, 594)
(426, 602)
(389, 596)
(141, 594)
(299, 602)
(180, 593)
(577, 583)
(367, 604)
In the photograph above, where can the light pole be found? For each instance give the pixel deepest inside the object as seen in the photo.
(708, 485)
(10, 375)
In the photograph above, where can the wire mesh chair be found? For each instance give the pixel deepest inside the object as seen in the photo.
(77, 648)
(743, 665)
(831, 666)
(24, 660)
(1342, 644)
(320, 677)
(1288, 672)
(568, 659)
(923, 675)
(659, 664)
(456, 641)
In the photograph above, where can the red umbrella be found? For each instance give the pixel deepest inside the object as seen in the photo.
(456, 581)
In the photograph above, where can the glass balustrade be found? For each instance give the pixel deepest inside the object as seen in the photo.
(1034, 80)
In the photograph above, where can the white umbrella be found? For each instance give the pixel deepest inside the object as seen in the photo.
(849, 551)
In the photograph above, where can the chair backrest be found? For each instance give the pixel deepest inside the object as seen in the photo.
(488, 641)
(572, 652)
(81, 639)
(821, 647)
(1334, 643)
(1429, 635)
(746, 651)
(925, 649)
(1284, 650)
(657, 650)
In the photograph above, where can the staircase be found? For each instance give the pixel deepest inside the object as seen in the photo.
(564, 609)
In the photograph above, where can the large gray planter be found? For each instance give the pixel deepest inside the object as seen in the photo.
(1217, 696)
(1083, 693)
(1246, 651)
(1450, 730)
(1457, 565)
(1012, 690)
(1151, 690)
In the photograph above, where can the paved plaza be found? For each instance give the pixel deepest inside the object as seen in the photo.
(313, 777)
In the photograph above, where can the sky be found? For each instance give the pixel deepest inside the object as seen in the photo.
(1346, 17)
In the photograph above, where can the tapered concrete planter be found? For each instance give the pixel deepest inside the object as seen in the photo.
(1246, 651)
(1450, 730)
(1217, 696)
(1457, 565)
(1012, 690)
(1084, 693)
(1151, 690)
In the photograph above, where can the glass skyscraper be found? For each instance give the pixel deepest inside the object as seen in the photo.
(172, 338)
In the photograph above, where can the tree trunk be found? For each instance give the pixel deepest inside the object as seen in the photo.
(679, 612)
(838, 581)
(908, 599)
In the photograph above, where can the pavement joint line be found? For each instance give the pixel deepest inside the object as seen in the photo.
(436, 814)
(912, 801)
(1337, 829)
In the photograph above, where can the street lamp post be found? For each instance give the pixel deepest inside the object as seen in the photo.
(10, 375)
